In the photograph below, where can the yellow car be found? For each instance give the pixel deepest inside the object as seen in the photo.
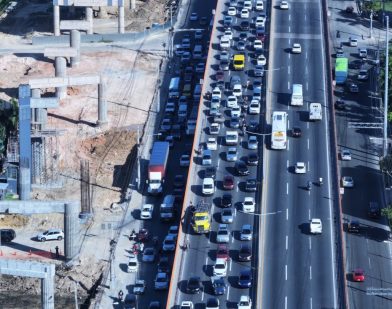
(239, 62)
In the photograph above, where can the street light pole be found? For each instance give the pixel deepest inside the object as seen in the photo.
(138, 159)
(386, 90)
(371, 24)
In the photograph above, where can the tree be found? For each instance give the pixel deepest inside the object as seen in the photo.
(386, 165)
(387, 212)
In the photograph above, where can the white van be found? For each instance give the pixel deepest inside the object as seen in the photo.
(182, 112)
(166, 210)
(297, 96)
(197, 52)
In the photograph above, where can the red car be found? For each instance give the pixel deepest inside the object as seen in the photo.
(358, 275)
(228, 182)
(222, 252)
(142, 236)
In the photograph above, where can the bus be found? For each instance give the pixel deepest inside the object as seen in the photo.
(279, 130)
(341, 68)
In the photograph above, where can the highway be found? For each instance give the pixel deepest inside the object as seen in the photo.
(299, 269)
(200, 257)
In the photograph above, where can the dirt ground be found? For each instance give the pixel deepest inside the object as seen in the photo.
(131, 80)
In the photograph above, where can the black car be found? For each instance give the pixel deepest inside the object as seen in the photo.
(353, 227)
(296, 132)
(253, 158)
(340, 105)
(194, 285)
(241, 168)
(252, 126)
(243, 36)
(203, 21)
(218, 285)
(212, 303)
(374, 210)
(251, 185)
(7, 235)
(130, 301)
(154, 305)
(179, 181)
(245, 25)
(234, 122)
(163, 265)
(210, 172)
(226, 201)
(245, 253)
(245, 279)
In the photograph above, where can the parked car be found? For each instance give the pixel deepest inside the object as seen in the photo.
(7, 235)
(51, 234)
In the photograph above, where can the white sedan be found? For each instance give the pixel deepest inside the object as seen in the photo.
(345, 155)
(229, 34)
(248, 204)
(296, 49)
(212, 144)
(232, 11)
(347, 182)
(284, 5)
(220, 268)
(260, 21)
(208, 186)
(258, 45)
(261, 60)
(132, 263)
(232, 101)
(254, 107)
(147, 211)
(244, 13)
(245, 302)
(300, 168)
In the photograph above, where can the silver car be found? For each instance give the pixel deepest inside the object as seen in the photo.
(246, 232)
(223, 234)
(227, 216)
(169, 244)
(161, 281)
(231, 154)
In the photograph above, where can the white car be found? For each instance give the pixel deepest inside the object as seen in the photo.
(52, 234)
(194, 17)
(212, 144)
(345, 155)
(173, 230)
(244, 13)
(248, 205)
(231, 154)
(353, 42)
(284, 5)
(229, 34)
(216, 92)
(252, 142)
(248, 4)
(254, 107)
(347, 182)
(225, 42)
(245, 302)
(169, 243)
(223, 234)
(260, 21)
(185, 160)
(220, 268)
(214, 128)
(232, 101)
(296, 49)
(258, 45)
(208, 186)
(146, 212)
(261, 60)
(300, 168)
(246, 232)
(362, 52)
(235, 112)
(316, 227)
(232, 11)
(186, 304)
(237, 90)
(132, 263)
(259, 5)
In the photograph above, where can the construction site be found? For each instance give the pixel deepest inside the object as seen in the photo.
(76, 154)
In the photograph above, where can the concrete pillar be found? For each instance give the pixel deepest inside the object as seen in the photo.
(56, 20)
(133, 5)
(47, 288)
(89, 18)
(35, 93)
(121, 19)
(24, 179)
(102, 104)
(61, 71)
(75, 43)
(71, 230)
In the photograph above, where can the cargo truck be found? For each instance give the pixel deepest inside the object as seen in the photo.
(341, 68)
(315, 111)
(157, 167)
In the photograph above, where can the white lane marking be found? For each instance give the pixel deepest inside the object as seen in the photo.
(217, 166)
(285, 302)
(310, 272)
(287, 242)
(307, 125)
(310, 243)
(288, 164)
(206, 260)
(289, 54)
(289, 69)
(370, 265)
(228, 292)
(308, 144)
(287, 188)
(286, 271)
(288, 123)
(287, 214)
(289, 17)
(289, 29)
(235, 212)
(231, 262)
(306, 55)
(308, 166)
(307, 86)
(237, 188)
(288, 145)
(288, 85)
(309, 215)
(311, 303)
(202, 295)
(289, 43)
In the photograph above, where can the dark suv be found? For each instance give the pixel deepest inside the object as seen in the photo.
(374, 210)
(7, 235)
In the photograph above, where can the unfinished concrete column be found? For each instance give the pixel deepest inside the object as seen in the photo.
(89, 18)
(47, 288)
(121, 19)
(71, 230)
(75, 43)
(133, 5)
(35, 93)
(102, 104)
(60, 71)
(56, 20)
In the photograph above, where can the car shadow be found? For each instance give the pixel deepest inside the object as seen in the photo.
(304, 228)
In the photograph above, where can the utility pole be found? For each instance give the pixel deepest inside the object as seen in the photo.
(386, 90)
(138, 159)
(371, 24)
(76, 294)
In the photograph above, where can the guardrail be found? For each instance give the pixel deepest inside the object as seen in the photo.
(178, 257)
(340, 244)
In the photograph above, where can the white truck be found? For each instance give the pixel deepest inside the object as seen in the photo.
(297, 95)
(316, 227)
(315, 111)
